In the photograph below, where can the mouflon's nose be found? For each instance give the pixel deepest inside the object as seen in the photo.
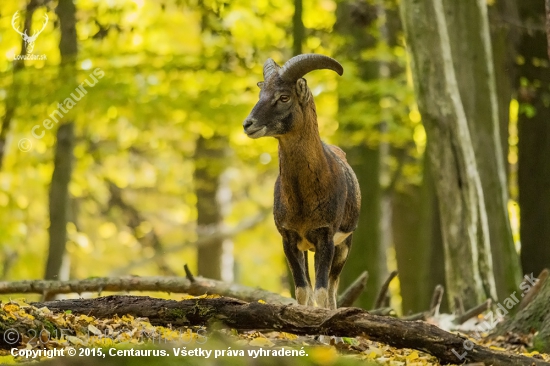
(248, 122)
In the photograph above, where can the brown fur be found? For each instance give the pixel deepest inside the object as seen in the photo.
(316, 194)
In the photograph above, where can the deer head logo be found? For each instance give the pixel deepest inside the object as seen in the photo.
(29, 40)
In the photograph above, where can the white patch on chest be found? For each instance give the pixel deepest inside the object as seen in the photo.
(338, 238)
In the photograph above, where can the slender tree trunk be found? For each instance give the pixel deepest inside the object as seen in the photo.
(465, 226)
(366, 252)
(417, 240)
(533, 83)
(209, 165)
(505, 41)
(354, 18)
(215, 259)
(547, 6)
(298, 30)
(59, 188)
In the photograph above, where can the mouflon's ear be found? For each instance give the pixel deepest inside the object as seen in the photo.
(302, 90)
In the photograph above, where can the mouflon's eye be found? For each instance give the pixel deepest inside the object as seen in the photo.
(284, 98)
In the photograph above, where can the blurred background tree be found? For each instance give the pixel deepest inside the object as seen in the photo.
(162, 174)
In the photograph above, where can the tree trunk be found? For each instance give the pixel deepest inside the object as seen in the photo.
(416, 240)
(366, 252)
(298, 30)
(474, 66)
(209, 165)
(533, 83)
(353, 21)
(59, 188)
(451, 151)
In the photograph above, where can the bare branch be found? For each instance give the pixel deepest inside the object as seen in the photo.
(475, 311)
(417, 316)
(383, 290)
(354, 290)
(533, 291)
(200, 286)
(437, 297)
(188, 273)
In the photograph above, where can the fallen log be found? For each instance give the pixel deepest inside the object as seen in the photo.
(194, 285)
(297, 319)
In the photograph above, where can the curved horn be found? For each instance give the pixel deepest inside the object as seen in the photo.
(269, 67)
(300, 65)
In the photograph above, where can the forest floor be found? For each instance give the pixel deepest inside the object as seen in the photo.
(104, 339)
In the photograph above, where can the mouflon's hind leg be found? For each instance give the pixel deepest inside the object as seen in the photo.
(298, 267)
(310, 300)
(341, 253)
(324, 251)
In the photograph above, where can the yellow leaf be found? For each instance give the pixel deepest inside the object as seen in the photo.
(11, 308)
(284, 335)
(75, 340)
(372, 355)
(412, 356)
(261, 342)
(261, 301)
(93, 329)
(85, 318)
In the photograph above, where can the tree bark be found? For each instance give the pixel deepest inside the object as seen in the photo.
(458, 183)
(474, 65)
(295, 319)
(533, 83)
